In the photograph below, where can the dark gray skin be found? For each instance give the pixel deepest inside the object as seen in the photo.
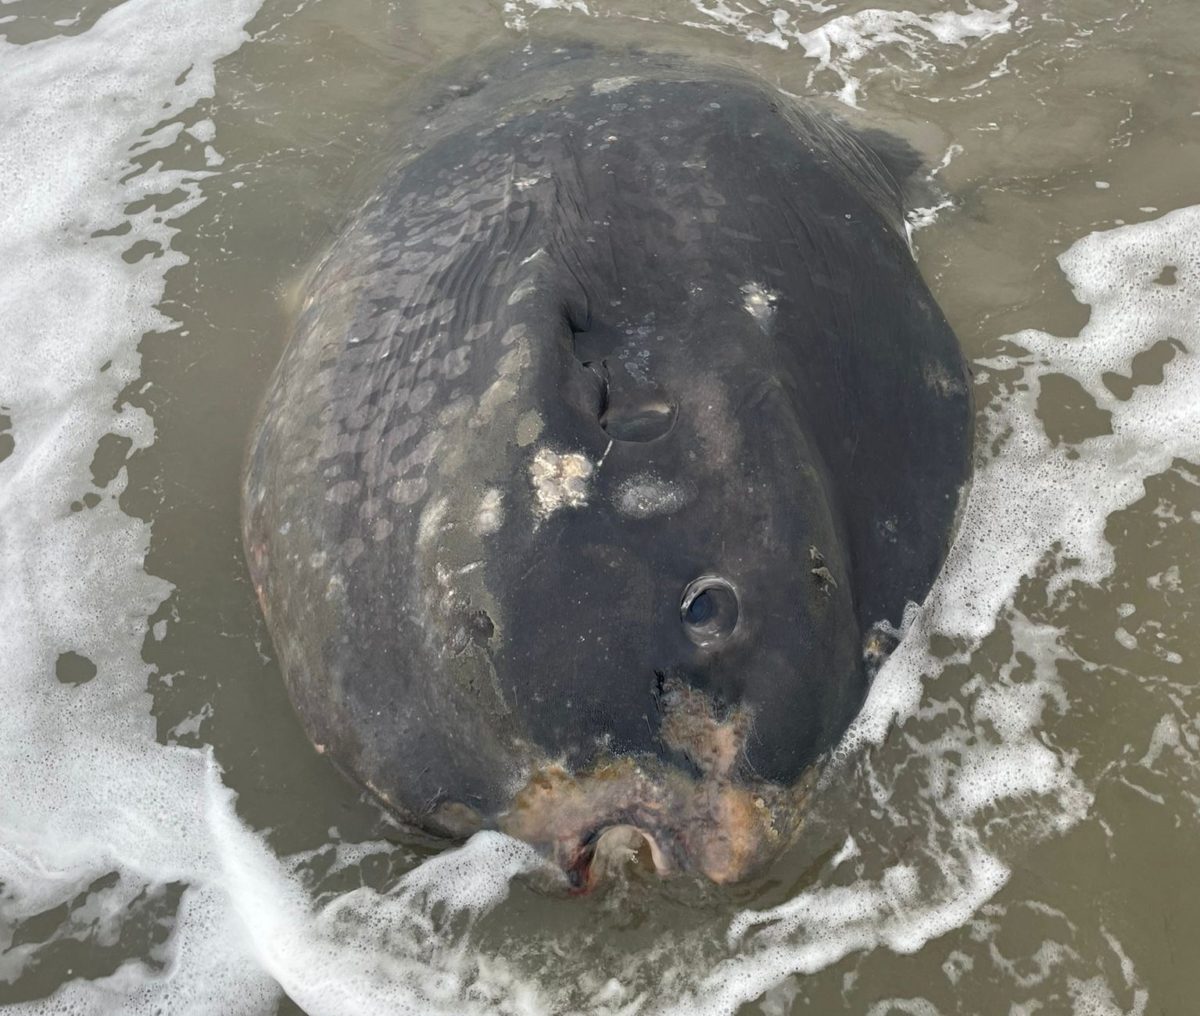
(617, 430)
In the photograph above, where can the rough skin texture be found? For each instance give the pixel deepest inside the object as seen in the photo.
(613, 323)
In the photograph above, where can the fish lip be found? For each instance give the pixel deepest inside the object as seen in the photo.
(581, 866)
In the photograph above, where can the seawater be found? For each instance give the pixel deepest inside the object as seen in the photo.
(1010, 826)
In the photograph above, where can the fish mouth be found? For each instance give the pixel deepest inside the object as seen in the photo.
(629, 815)
(612, 849)
(710, 817)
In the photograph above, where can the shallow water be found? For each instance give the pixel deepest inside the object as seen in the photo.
(1013, 825)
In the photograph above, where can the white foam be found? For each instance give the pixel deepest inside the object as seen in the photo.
(1028, 497)
(841, 44)
(1034, 494)
(89, 791)
(86, 788)
(517, 12)
(368, 952)
(821, 926)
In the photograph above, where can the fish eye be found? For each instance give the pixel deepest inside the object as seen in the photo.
(701, 608)
(709, 610)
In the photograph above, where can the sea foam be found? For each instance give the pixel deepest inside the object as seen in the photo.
(89, 792)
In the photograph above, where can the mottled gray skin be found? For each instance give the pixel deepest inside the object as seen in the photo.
(614, 323)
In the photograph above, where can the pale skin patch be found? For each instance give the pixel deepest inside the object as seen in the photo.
(408, 491)
(736, 837)
(490, 516)
(716, 823)
(606, 86)
(344, 492)
(715, 426)
(759, 302)
(529, 428)
(524, 290)
(431, 521)
(645, 496)
(559, 481)
(719, 828)
(713, 745)
(504, 388)
(499, 392)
